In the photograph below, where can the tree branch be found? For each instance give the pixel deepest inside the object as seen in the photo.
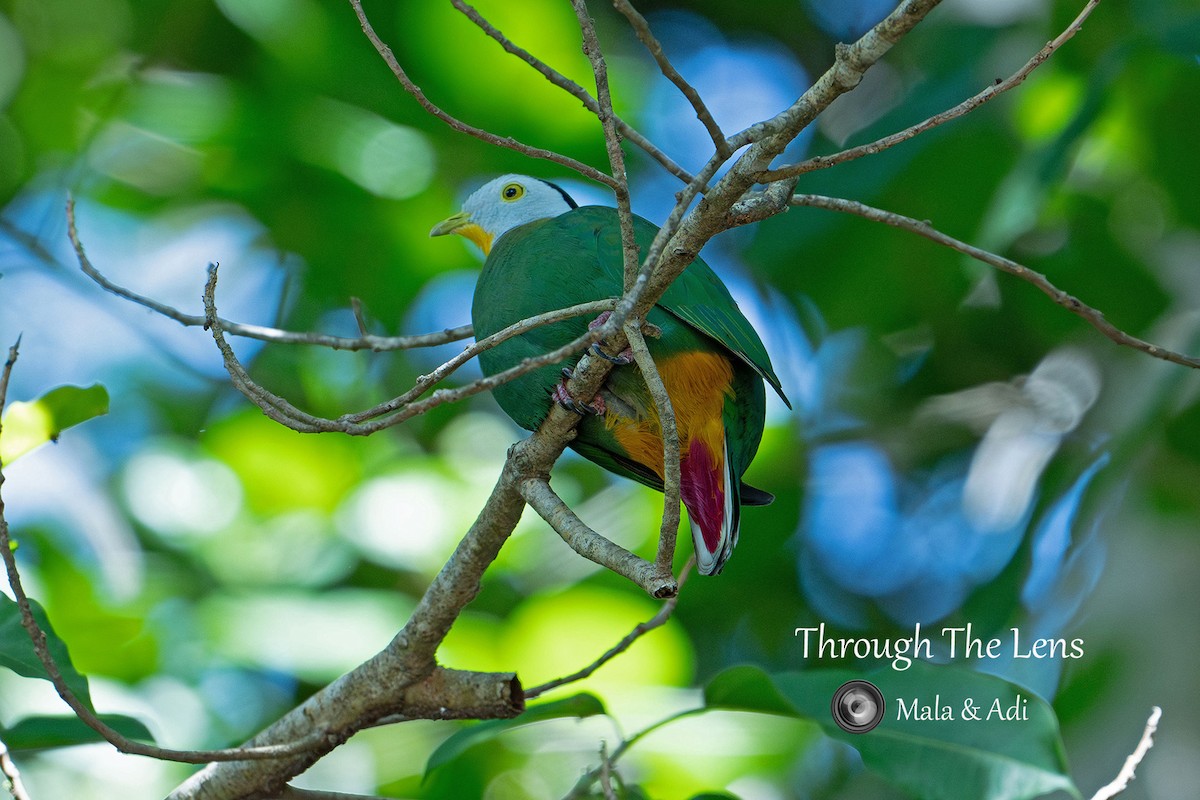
(479, 133)
(425, 382)
(366, 341)
(582, 788)
(965, 107)
(757, 206)
(606, 773)
(849, 65)
(767, 140)
(1121, 782)
(1094, 317)
(591, 545)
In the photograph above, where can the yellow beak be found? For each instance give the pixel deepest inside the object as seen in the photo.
(461, 224)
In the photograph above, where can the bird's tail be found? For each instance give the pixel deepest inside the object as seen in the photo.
(709, 489)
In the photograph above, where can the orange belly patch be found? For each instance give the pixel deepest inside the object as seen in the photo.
(697, 384)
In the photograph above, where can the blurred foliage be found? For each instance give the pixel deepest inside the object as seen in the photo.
(28, 425)
(209, 569)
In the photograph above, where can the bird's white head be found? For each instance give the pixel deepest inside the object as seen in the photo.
(501, 205)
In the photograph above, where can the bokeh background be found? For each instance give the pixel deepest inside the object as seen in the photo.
(209, 568)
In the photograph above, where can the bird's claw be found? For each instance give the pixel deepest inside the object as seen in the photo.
(560, 395)
(621, 359)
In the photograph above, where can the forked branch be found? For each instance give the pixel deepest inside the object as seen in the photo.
(591, 545)
(407, 405)
(965, 107)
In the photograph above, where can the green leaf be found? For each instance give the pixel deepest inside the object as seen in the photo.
(17, 653)
(580, 705)
(27, 425)
(989, 759)
(39, 733)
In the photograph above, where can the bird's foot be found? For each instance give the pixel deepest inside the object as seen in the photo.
(622, 358)
(560, 395)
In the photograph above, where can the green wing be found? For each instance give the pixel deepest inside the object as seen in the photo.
(698, 297)
(574, 258)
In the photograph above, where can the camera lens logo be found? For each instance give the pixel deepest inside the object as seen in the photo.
(857, 706)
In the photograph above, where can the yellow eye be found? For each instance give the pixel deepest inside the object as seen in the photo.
(511, 192)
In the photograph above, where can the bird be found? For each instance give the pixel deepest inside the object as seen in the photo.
(545, 252)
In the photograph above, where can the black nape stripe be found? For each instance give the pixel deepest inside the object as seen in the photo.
(570, 200)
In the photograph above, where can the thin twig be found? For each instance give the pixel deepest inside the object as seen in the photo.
(670, 438)
(574, 89)
(1121, 782)
(1094, 317)
(647, 38)
(479, 133)
(591, 545)
(970, 104)
(612, 140)
(365, 342)
(640, 630)
(81, 709)
(12, 775)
